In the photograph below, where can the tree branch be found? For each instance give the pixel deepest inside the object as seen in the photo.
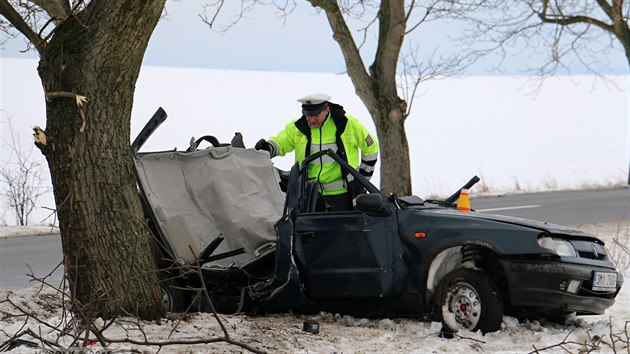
(606, 7)
(58, 10)
(390, 40)
(571, 20)
(8, 12)
(343, 36)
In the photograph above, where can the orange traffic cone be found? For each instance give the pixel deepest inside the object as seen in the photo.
(463, 203)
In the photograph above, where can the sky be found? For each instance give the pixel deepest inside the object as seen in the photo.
(264, 40)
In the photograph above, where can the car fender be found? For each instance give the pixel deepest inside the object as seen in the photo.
(442, 264)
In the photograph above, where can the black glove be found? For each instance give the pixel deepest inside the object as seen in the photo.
(262, 144)
(356, 188)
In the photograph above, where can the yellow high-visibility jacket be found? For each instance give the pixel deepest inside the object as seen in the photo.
(341, 133)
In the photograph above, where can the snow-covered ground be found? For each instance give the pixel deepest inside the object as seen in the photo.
(607, 333)
(22, 231)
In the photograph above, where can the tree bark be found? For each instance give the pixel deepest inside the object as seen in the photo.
(395, 164)
(97, 54)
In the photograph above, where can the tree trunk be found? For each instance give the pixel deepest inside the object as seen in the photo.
(622, 32)
(98, 54)
(395, 166)
(386, 108)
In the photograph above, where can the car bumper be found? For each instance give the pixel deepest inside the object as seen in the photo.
(542, 287)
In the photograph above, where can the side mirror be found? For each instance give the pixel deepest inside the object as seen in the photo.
(372, 203)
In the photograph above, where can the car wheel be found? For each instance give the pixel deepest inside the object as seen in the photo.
(468, 299)
(174, 300)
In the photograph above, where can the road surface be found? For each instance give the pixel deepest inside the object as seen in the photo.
(41, 253)
(564, 208)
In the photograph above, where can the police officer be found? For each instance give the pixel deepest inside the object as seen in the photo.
(325, 125)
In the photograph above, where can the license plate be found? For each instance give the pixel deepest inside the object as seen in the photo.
(603, 281)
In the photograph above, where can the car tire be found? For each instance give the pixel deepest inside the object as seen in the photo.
(175, 300)
(468, 299)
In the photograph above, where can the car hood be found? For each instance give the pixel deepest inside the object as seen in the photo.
(540, 225)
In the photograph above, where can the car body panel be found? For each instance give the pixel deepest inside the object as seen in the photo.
(539, 284)
(365, 261)
(198, 196)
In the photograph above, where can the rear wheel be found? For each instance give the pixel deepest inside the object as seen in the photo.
(468, 299)
(173, 298)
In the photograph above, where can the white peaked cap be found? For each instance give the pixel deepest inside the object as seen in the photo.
(316, 98)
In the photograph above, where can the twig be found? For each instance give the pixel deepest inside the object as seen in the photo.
(469, 338)
(79, 99)
(82, 325)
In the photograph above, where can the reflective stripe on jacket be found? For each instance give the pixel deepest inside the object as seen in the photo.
(343, 134)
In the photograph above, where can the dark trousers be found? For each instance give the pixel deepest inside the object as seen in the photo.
(339, 202)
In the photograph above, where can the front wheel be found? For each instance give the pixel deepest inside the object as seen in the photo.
(468, 299)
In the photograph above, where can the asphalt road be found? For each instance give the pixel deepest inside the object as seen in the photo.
(43, 253)
(564, 208)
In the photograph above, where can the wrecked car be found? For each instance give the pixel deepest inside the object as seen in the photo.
(262, 246)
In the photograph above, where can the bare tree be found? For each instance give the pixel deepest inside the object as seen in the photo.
(90, 58)
(567, 33)
(23, 178)
(380, 85)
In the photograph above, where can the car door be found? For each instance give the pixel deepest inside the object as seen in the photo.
(349, 254)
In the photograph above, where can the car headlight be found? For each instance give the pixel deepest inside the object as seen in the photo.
(560, 247)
